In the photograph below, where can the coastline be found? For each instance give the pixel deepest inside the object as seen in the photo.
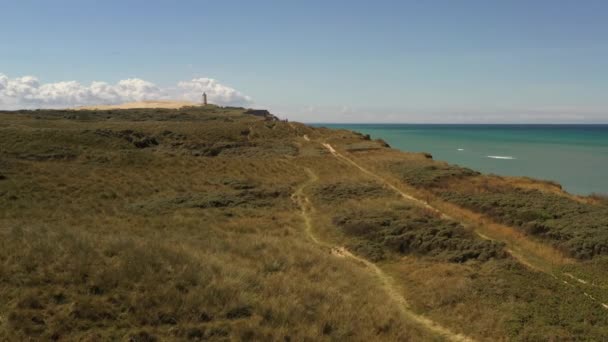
(571, 155)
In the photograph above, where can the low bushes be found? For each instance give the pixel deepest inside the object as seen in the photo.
(429, 173)
(578, 228)
(341, 191)
(414, 231)
(248, 198)
(581, 229)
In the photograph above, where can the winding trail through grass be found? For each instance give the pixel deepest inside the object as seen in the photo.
(300, 198)
(384, 181)
(519, 256)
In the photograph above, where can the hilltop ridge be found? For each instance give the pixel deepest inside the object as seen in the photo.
(168, 104)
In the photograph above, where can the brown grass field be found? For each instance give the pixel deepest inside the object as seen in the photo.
(206, 223)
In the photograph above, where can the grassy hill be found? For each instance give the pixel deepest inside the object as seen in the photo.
(208, 223)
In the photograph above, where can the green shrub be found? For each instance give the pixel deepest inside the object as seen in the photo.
(579, 228)
(429, 173)
(417, 232)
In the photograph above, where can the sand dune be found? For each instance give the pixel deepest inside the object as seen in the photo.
(142, 104)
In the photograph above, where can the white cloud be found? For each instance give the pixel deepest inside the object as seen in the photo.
(29, 92)
(218, 93)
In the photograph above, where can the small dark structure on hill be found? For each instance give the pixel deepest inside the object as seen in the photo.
(204, 99)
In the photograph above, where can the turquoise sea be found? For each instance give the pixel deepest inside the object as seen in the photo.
(575, 156)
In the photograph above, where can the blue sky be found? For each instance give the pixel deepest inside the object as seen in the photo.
(348, 61)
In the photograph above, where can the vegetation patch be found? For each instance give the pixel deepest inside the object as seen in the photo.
(247, 198)
(138, 139)
(51, 154)
(580, 229)
(70, 284)
(276, 148)
(342, 191)
(215, 149)
(112, 228)
(414, 231)
(364, 146)
(196, 113)
(236, 183)
(429, 174)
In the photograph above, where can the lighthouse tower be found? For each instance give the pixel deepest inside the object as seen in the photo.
(204, 99)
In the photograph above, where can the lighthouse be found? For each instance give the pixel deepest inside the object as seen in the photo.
(204, 99)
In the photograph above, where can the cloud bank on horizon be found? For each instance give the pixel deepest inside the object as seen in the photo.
(27, 92)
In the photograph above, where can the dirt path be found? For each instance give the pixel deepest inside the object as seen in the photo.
(426, 205)
(384, 181)
(516, 255)
(306, 208)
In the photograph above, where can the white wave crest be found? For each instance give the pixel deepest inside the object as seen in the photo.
(502, 157)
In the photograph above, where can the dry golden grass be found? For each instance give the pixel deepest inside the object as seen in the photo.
(100, 240)
(179, 225)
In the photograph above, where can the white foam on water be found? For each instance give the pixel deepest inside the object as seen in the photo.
(502, 157)
(461, 149)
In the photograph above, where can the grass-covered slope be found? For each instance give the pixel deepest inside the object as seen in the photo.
(167, 224)
(448, 269)
(578, 227)
(208, 223)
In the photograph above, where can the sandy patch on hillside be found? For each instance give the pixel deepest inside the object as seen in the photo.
(143, 104)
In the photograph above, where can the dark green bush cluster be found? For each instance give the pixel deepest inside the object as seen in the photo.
(579, 228)
(215, 149)
(366, 145)
(138, 139)
(243, 149)
(247, 198)
(429, 173)
(342, 191)
(261, 149)
(417, 232)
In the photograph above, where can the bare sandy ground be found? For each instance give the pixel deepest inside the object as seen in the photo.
(142, 104)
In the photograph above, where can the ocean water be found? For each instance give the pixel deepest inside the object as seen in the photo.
(576, 156)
